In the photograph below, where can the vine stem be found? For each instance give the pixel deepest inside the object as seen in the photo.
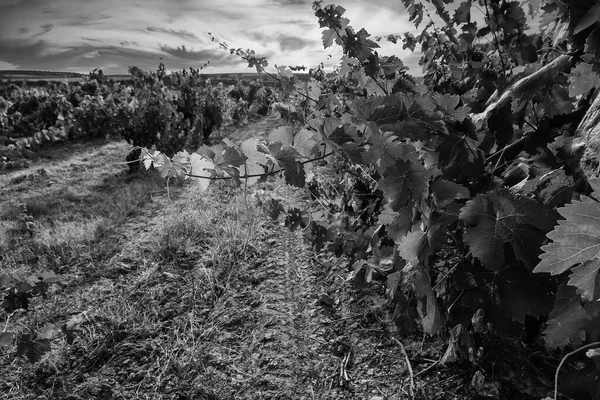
(496, 42)
(246, 58)
(216, 178)
(411, 390)
(586, 347)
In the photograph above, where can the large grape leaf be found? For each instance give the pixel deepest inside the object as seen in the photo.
(445, 192)
(202, 169)
(448, 103)
(414, 247)
(428, 308)
(458, 155)
(405, 181)
(229, 154)
(556, 188)
(587, 280)
(575, 239)
(283, 134)
(288, 157)
(569, 322)
(437, 226)
(589, 18)
(499, 218)
(582, 79)
(522, 293)
(383, 110)
(256, 162)
(306, 143)
(385, 149)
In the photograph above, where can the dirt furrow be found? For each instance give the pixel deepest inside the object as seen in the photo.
(282, 353)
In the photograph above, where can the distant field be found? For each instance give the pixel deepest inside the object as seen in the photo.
(34, 76)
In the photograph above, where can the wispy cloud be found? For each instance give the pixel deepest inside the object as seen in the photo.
(126, 43)
(45, 29)
(183, 53)
(181, 33)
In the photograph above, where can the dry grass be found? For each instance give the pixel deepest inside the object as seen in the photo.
(146, 300)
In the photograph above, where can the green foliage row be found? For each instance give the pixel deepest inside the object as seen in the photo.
(169, 111)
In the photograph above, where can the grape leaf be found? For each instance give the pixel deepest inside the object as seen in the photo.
(428, 308)
(328, 37)
(458, 155)
(402, 182)
(385, 150)
(387, 215)
(414, 247)
(498, 218)
(358, 45)
(586, 279)
(257, 160)
(287, 157)
(448, 103)
(391, 65)
(523, 293)
(203, 169)
(32, 347)
(568, 320)
(555, 188)
(591, 17)
(182, 160)
(463, 12)
(438, 223)
(592, 44)
(582, 79)
(445, 192)
(575, 239)
(383, 110)
(403, 315)
(229, 155)
(283, 134)
(401, 225)
(330, 16)
(305, 142)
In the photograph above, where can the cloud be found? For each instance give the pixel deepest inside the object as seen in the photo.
(294, 2)
(182, 52)
(45, 29)
(91, 39)
(6, 66)
(23, 30)
(84, 20)
(126, 43)
(182, 33)
(301, 23)
(19, 52)
(288, 42)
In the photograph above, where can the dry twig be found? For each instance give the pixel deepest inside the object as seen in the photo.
(411, 391)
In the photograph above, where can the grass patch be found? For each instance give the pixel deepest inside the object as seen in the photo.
(142, 334)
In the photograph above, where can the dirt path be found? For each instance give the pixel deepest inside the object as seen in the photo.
(277, 340)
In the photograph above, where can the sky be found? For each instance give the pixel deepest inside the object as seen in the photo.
(80, 35)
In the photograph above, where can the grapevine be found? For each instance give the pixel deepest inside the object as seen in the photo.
(463, 175)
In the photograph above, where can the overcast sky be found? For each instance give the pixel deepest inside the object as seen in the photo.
(80, 35)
